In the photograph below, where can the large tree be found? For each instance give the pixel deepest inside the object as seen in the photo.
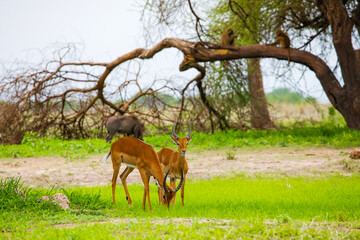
(51, 90)
(311, 23)
(250, 29)
(338, 20)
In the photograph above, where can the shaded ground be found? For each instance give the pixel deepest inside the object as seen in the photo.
(48, 171)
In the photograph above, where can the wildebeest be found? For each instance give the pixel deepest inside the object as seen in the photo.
(128, 125)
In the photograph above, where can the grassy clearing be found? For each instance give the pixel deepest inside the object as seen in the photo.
(242, 206)
(33, 146)
(322, 136)
(262, 206)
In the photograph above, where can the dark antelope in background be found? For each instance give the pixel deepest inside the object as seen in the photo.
(128, 125)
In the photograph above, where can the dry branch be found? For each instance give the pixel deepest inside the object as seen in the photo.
(62, 96)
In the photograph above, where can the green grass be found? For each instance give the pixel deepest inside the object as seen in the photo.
(321, 136)
(257, 206)
(194, 229)
(262, 206)
(33, 146)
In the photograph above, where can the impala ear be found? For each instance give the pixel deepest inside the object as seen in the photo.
(157, 183)
(174, 140)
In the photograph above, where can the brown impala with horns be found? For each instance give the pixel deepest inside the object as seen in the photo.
(174, 161)
(137, 154)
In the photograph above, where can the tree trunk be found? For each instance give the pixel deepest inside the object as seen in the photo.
(347, 101)
(260, 117)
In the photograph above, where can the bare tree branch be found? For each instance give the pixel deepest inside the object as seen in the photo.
(54, 98)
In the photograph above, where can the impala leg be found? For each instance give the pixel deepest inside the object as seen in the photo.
(160, 193)
(148, 182)
(116, 168)
(123, 177)
(145, 178)
(183, 191)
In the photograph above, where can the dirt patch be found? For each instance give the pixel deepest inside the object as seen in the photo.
(176, 221)
(344, 227)
(59, 172)
(278, 161)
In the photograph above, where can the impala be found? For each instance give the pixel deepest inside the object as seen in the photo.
(137, 154)
(175, 162)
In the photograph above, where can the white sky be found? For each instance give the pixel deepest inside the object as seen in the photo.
(106, 29)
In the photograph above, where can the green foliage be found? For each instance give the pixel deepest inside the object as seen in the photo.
(227, 90)
(285, 95)
(331, 111)
(250, 28)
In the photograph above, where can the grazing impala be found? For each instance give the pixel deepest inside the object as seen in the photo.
(137, 154)
(175, 161)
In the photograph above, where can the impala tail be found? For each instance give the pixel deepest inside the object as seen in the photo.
(106, 156)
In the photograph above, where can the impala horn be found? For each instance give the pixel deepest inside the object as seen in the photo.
(187, 137)
(181, 182)
(164, 182)
(173, 132)
(178, 187)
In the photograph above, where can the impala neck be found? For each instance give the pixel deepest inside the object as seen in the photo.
(159, 175)
(181, 159)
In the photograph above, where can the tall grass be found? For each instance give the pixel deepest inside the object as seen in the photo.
(284, 199)
(321, 136)
(14, 195)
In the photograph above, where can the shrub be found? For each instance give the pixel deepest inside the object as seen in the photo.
(11, 124)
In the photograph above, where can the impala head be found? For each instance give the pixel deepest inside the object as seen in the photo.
(181, 142)
(168, 192)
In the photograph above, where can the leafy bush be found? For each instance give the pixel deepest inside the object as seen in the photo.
(285, 95)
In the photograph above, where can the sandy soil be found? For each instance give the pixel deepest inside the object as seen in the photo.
(59, 172)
